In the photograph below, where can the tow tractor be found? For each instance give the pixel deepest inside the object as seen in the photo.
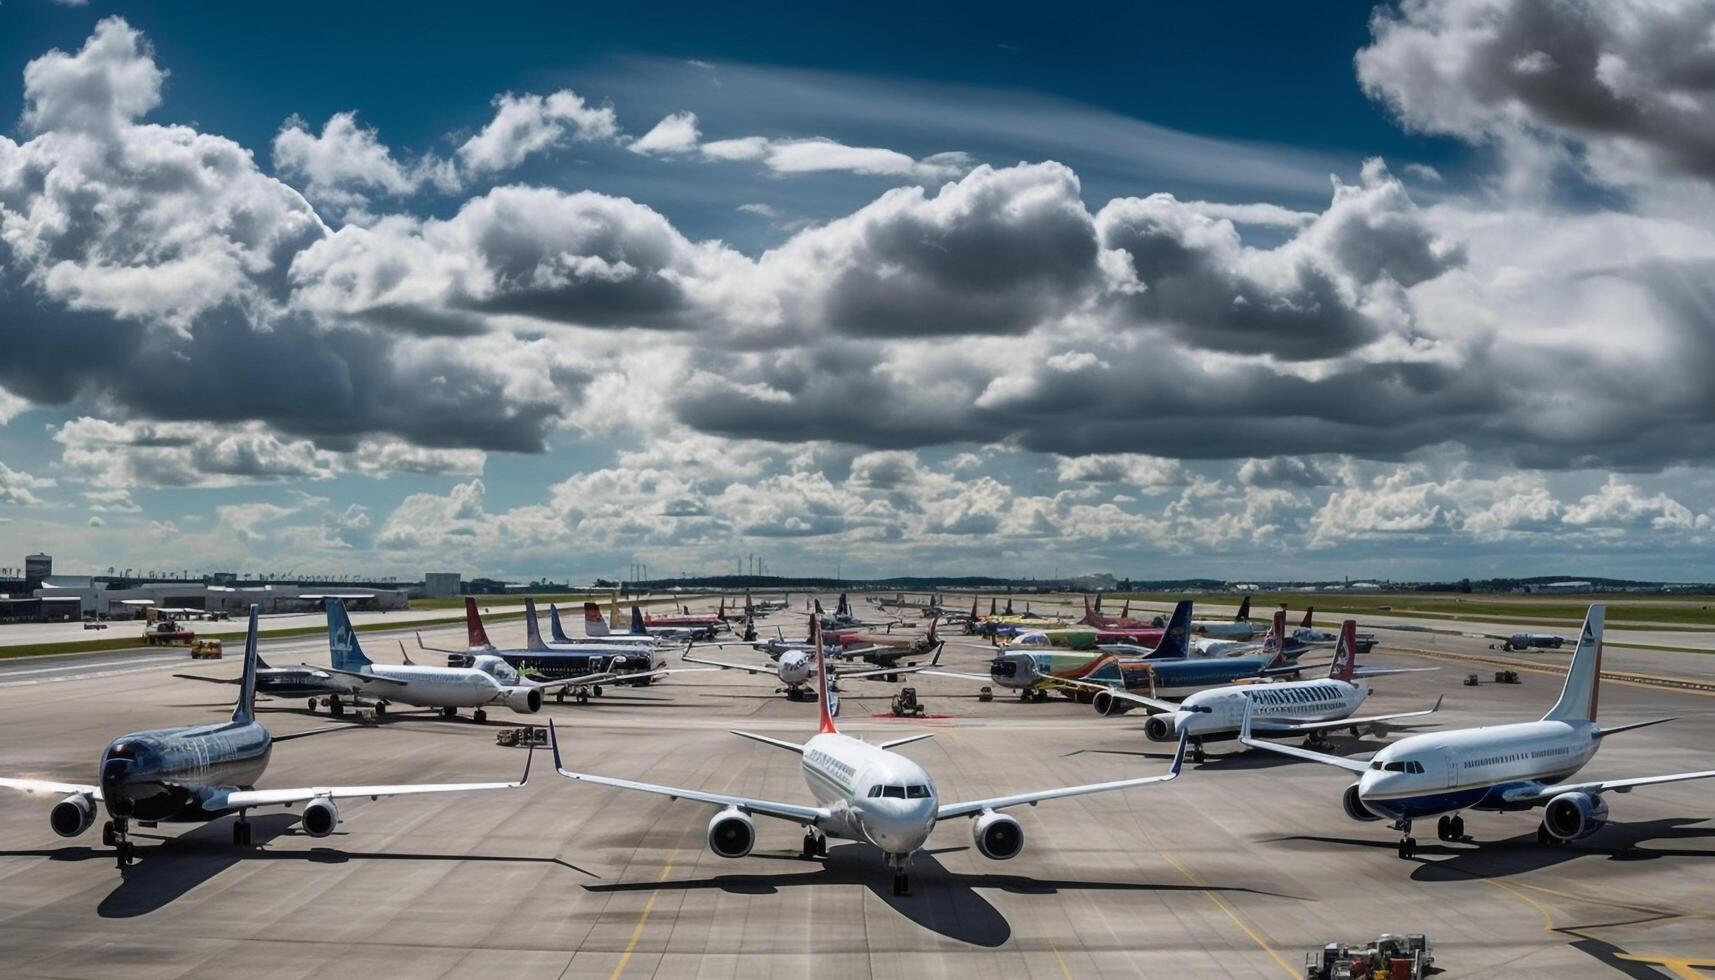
(528, 736)
(1389, 957)
(205, 649)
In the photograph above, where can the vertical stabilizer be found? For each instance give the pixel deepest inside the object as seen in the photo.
(1275, 643)
(1309, 611)
(475, 635)
(1578, 698)
(532, 628)
(638, 625)
(1345, 652)
(1244, 615)
(595, 624)
(245, 709)
(343, 649)
(1176, 635)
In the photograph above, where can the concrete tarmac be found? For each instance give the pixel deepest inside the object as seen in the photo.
(1237, 869)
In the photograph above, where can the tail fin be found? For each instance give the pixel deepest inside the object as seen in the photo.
(1309, 611)
(973, 607)
(844, 608)
(818, 607)
(1578, 698)
(1176, 635)
(532, 629)
(637, 623)
(991, 606)
(932, 625)
(475, 634)
(555, 630)
(245, 709)
(823, 705)
(1244, 615)
(1275, 642)
(1009, 605)
(595, 624)
(720, 613)
(1345, 652)
(1090, 614)
(1125, 611)
(343, 647)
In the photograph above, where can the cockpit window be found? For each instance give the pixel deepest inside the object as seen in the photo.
(893, 792)
(875, 791)
(917, 792)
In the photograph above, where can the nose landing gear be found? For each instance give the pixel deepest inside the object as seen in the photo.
(113, 835)
(1408, 843)
(901, 879)
(241, 832)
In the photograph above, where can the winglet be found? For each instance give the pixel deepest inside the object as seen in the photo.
(554, 745)
(406, 654)
(1179, 753)
(1244, 725)
(524, 780)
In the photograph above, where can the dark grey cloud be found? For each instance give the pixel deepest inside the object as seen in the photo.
(1634, 77)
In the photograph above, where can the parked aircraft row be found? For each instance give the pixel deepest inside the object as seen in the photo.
(868, 791)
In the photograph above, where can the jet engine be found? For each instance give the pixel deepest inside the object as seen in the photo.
(731, 833)
(320, 818)
(998, 836)
(525, 699)
(1107, 705)
(72, 815)
(1162, 728)
(1354, 805)
(1571, 816)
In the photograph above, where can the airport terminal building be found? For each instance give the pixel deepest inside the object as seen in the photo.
(71, 597)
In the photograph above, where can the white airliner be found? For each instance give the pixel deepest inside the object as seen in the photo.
(796, 668)
(863, 792)
(1281, 709)
(1499, 767)
(490, 680)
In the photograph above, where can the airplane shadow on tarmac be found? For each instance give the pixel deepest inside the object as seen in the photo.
(165, 871)
(1521, 854)
(941, 901)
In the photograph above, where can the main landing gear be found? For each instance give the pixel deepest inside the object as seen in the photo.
(1451, 828)
(241, 832)
(815, 845)
(113, 835)
(1408, 843)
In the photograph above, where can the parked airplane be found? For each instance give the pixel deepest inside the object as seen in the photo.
(1307, 633)
(797, 668)
(1237, 628)
(1034, 671)
(1282, 709)
(632, 663)
(1093, 617)
(596, 631)
(881, 649)
(199, 773)
(1086, 637)
(675, 632)
(1528, 641)
(489, 680)
(864, 793)
(1516, 766)
(288, 682)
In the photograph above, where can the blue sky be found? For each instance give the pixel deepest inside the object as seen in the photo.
(1255, 291)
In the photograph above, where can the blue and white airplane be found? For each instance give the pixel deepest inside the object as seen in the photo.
(1497, 767)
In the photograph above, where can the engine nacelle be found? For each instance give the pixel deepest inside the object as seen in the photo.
(1571, 816)
(525, 699)
(1354, 805)
(1161, 728)
(320, 818)
(998, 836)
(731, 833)
(1107, 705)
(72, 815)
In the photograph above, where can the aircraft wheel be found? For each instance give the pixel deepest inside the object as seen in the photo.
(336, 708)
(123, 854)
(596, 690)
(1407, 846)
(449, 712)
(312, 706)
(108, 837)
(241, 833)
(560, 696)
(479, 716)
(380, 708)
(1457, 827)
(809, 846)
(901, 884)
(1444, 828)
(583, 697)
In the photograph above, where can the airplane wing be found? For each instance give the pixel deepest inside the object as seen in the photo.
(1290, 728)
(811, 815)
(366, 678)
(1545, 793)
(245, 798)
(1350, 765)
(47, 787)
(724, 665)
(1153, 704)
(951, 810)
(953, 673)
